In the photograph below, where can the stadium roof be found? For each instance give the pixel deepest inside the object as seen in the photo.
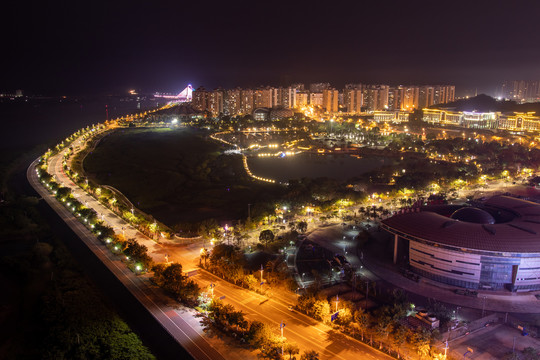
(519, 235)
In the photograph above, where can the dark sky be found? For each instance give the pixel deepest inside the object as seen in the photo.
(97, 47)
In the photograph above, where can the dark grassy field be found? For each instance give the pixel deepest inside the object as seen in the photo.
(177, 175)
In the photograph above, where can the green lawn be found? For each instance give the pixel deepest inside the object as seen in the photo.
(177, 175)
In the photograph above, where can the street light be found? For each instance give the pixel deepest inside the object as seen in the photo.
(367, 292)
(281, 326)
(262, 274)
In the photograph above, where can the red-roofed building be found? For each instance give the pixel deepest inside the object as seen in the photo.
(493, 246)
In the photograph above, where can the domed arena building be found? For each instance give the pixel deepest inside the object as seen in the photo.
(494, 245)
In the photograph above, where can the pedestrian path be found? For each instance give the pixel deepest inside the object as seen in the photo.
(486, 300)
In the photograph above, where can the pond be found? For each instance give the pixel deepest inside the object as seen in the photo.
(340, 167)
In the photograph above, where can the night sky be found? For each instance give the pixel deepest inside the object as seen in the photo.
(106, 47)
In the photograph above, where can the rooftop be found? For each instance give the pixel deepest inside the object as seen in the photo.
(521, 233)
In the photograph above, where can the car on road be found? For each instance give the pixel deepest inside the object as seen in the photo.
(290, 308)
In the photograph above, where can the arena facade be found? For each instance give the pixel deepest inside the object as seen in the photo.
(493, 245)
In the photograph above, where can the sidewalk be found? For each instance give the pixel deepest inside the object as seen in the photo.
(487, 300)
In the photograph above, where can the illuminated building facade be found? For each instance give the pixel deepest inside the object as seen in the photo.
(316, 99)
(330, 100)
(479, 120)
(521, 91)
(302, 99)
(519, 122)
(391, 116)
(483, 120)
(200, 99)
(493, 246)
(353, 99)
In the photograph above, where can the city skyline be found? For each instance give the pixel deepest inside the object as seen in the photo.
(105, 48)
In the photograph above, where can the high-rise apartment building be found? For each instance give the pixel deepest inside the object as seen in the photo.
(232, 102)
(302, 99)
(215, 102)
(425, 97)
(436, 94)
(330, 100)
(353, 99)
(200, 99)
(376, 97)
(262, 98)
(521, 91)
(247, 101)
(319, 87)
(316, 99)
(289, 98)
(409, 97)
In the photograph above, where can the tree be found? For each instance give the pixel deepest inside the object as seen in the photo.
(292, 225)
(399, 337)
(204, 255)
(321, 309)
(420, 339)
(250, 281)
(383, 327)
(171, 279)
(530, 353)
(345, 313)
(259, 334)
(362, 319)
(207, 228)
(103, 231)
(236, 273)
(138, 252)
(239, 234)
(310, 355)
(63, 192)
(266, 236)
(302, 226)
(291, 349)
(344, 317)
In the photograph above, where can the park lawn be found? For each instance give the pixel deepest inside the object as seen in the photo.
(177, 175)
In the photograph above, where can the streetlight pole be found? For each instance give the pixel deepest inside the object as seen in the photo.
(261, 276)
(367, 292)
(483, 305)
(282, 325)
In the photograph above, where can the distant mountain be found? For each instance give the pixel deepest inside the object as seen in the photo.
(485, 103)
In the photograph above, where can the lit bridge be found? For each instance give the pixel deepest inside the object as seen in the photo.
(185, 95)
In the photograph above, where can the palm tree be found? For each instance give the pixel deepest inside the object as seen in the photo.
(291, 349)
